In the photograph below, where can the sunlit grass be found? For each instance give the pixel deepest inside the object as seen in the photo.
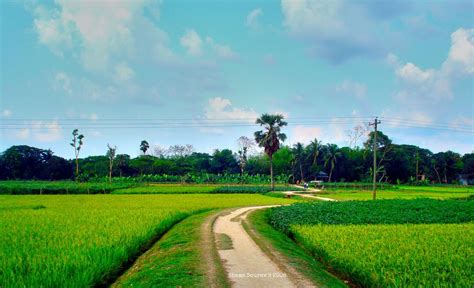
(82, 240)
(422, 255)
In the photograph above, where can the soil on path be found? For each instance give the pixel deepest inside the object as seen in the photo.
(245, 263)
(298, 193)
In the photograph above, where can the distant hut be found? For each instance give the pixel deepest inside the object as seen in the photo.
(322, 176)
(466, 179)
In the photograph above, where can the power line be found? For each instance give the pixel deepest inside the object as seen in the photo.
(172, 123)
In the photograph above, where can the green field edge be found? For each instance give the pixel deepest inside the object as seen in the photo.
(116, 273)
(269, 239)
(183, 257)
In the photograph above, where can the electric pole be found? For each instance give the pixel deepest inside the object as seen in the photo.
(417, 159)
(374, 172)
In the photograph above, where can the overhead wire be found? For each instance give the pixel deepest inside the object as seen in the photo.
(199, 122)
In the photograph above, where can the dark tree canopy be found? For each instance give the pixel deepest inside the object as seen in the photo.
(300, 162)
(25, 162)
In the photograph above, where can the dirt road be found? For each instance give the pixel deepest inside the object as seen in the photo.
(245, 263)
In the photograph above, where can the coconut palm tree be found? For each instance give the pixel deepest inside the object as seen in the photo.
(314, 149)
(269, 138)
(298, 155)
(144, 146)
(331, 157)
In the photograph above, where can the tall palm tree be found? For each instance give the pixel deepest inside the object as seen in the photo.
(331, 157)
(269, 138)
(144, 146)
(298, 155)
(314, 149)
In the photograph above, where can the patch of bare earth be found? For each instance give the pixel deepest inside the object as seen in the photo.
(245, 263)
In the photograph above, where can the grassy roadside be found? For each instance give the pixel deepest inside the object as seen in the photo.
(176, 259)
(269, 239)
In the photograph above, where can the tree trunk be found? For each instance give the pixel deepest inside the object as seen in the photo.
(77, 168)
(110, 171)
(437, 174)
(330, 173)
(301, 172)
(271, 173)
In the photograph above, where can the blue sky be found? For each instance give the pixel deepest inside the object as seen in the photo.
(67, 64)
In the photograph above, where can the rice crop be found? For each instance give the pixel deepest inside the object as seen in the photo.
(84, 240)
(406, 255)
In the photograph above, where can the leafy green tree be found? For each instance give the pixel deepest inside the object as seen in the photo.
(468, 167)
(282, 162)
(25, 162)
(259, 164)
(143, 164)
(331, 155)
(123, 164)
(77, 143)
(144, 146)
(223, 161)
(384, 146)
(94, 166)
(270, 137)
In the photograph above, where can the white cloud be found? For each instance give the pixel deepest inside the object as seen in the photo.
(356, 89)
(421, 87)
(192, 42)
(221, 50)
(305, 134)
(252, 17)
(46, 131)
(42, 131)
(303, 16)
(63, 82)
(335, 132)
(194, 45)
(123, 72)
(97, 29)
(392, 59)
(461, 54)
(334, 30)
(221, 108)
(92, 91)
(22, 134)
(6, 113)
(413, 74)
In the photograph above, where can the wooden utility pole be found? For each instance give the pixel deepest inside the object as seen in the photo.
(417, 159)
(374, 172)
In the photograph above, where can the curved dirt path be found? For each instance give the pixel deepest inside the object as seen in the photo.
(245, 263)
(298, 193)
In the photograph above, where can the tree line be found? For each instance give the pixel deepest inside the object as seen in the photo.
(397, 163)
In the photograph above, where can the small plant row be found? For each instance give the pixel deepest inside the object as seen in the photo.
(355, 185)
(196, 189)
(419, 211)
(59, 187)
(126, 187)
(204, 178)
(251, 189)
